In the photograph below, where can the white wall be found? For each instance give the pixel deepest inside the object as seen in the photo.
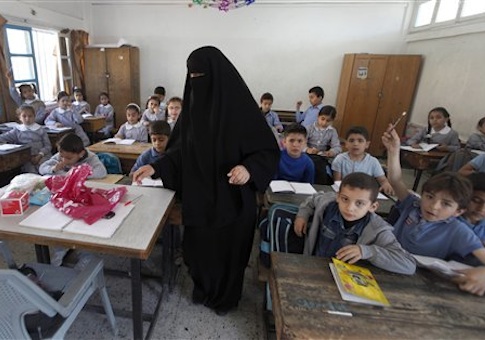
(453, 77)
(284, 49)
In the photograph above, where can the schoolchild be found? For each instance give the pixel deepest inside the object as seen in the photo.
(356, 159)
(133, 128)
(346, 226)
(295, 165)
(31, 133)
(153, 112)
(477, 139)
(174, 107)
(271, 117)
(159, 91)
(105, 110)
(323, 138)
(439, 131)
(474, 215)
(80, 105)
(27, 94)
(307, 118)
(428, 225)
(159, 134)
(64, 116)
(71, 153)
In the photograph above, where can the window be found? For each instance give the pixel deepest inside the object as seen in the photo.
(430, 13)
(34, 58)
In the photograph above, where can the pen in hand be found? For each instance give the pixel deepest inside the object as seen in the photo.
(393, 126)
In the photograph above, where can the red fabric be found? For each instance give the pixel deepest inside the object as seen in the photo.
(73, 198)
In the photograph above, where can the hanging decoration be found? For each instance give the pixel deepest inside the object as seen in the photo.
(222, 5)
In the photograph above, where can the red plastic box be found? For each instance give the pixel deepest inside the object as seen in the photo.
(14, 203)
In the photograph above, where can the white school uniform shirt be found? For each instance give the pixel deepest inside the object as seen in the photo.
(136, 131)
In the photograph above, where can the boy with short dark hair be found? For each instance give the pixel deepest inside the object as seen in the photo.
(159, 91)
(345, 225)
(271, 117)
(159, 131)
(429, 226)
(72, 153)
(322, 136)
(307, 118)
(356, 159)
(295, 165)
(474, 216)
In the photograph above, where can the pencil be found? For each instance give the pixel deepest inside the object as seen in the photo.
(393, 126)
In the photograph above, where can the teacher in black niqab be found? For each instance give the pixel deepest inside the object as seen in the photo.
(220, 153)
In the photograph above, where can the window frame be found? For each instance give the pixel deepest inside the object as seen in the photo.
(433, 25)
(34, 80)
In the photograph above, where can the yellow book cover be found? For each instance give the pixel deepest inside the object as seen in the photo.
(357, 284)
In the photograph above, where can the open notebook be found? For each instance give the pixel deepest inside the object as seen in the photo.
(336, 188)
(423, 147)
(48, 217)
(119, 141)
(292, 187)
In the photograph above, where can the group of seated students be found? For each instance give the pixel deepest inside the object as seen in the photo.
(70, 113)
(447, 221)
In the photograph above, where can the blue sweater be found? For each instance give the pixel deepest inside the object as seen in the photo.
(299, 169)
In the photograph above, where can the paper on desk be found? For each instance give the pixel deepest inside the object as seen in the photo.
(119, 141)
(46, 217)
(87, 115)
(56, 128)
(336, 188)
(447, 268)
(424, 147)
(103, 228)
(11, 124)
(5, 147)
(148, 182)
(478, 152)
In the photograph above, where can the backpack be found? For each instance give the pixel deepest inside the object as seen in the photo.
(277, 233)
(455, 160)
(111, 162)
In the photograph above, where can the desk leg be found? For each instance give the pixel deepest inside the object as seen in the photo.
(417, 179)
(136, 299)
(42, 254)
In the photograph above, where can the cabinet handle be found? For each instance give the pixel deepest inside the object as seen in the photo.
(379, 94)
(106, 75)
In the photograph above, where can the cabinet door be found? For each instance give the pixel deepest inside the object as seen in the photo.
(363, 92)
(119, 71)
(95, 75)
(397, 95)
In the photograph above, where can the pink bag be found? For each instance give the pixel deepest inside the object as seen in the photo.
(74, 199)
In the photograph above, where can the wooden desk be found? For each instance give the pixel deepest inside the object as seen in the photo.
(14, 158)
(126, 153)
(271, 198)
(133, 239)
(110, 178)
(92, 125)
(55, 136)
(422, 305)
(421, 161)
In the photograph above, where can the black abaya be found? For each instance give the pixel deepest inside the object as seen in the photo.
(219, 128)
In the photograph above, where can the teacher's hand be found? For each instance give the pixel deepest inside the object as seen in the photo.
(238, 175)
(143, 172)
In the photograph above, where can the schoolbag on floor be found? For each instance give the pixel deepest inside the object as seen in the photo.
(277, 233)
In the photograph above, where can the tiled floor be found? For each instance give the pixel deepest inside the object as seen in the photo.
(178, 317)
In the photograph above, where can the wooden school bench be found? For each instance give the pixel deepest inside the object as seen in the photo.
(11, 161)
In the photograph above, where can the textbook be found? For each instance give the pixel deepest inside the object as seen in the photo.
(119, 141)
(439, 266)
(424, 147)
(292, 187)
(357, 284)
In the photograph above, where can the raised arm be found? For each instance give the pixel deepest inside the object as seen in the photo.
(392, 143)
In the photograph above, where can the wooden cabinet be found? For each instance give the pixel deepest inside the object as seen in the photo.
(115, 71)
(374, 90)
